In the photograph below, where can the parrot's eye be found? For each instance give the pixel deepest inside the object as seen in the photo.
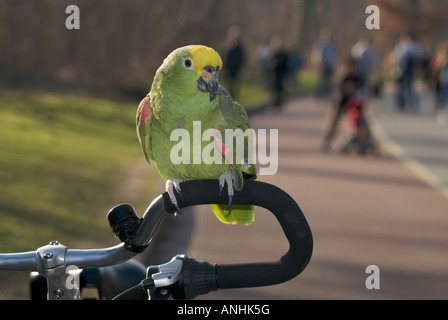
(188, 64)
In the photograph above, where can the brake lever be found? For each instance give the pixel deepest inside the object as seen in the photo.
(169, 273)
(165, 278)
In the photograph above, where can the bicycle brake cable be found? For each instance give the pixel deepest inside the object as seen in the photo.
(143, 285)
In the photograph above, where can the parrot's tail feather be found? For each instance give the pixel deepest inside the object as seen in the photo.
(238, 214)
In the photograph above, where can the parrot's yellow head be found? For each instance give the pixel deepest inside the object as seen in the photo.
(202, 57)
(190, 69)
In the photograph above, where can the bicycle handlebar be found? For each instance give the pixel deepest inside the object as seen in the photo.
(284, 208)
(200, 277)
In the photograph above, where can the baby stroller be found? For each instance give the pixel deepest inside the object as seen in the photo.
(360, 139)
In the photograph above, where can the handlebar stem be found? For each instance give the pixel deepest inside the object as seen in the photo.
(51, 263)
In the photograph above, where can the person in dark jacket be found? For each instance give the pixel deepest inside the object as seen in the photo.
(234, 60)
(279, 70)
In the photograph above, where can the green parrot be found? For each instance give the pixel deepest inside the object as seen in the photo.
(185, 92)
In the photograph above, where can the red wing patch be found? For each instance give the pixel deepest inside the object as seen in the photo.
(226, 151)
(145, 112)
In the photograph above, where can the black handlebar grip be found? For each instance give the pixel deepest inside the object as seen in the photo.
(198, 277)
(278, 202)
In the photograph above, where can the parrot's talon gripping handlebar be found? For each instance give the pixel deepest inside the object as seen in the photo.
(182, 277)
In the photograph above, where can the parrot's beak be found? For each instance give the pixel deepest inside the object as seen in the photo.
(208, 82)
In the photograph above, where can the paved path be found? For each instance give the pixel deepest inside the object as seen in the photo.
(362, 212)
(416, 138)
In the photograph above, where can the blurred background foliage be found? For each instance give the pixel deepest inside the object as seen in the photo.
(121, 43)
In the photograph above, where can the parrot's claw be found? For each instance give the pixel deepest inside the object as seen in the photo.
(223, 179)
(171, 185)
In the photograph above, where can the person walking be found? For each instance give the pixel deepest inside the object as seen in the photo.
(324, 55)
(407, 53)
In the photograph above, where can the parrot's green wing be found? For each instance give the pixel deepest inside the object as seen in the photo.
(242, 169)
(143, 122)
(236, 118)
